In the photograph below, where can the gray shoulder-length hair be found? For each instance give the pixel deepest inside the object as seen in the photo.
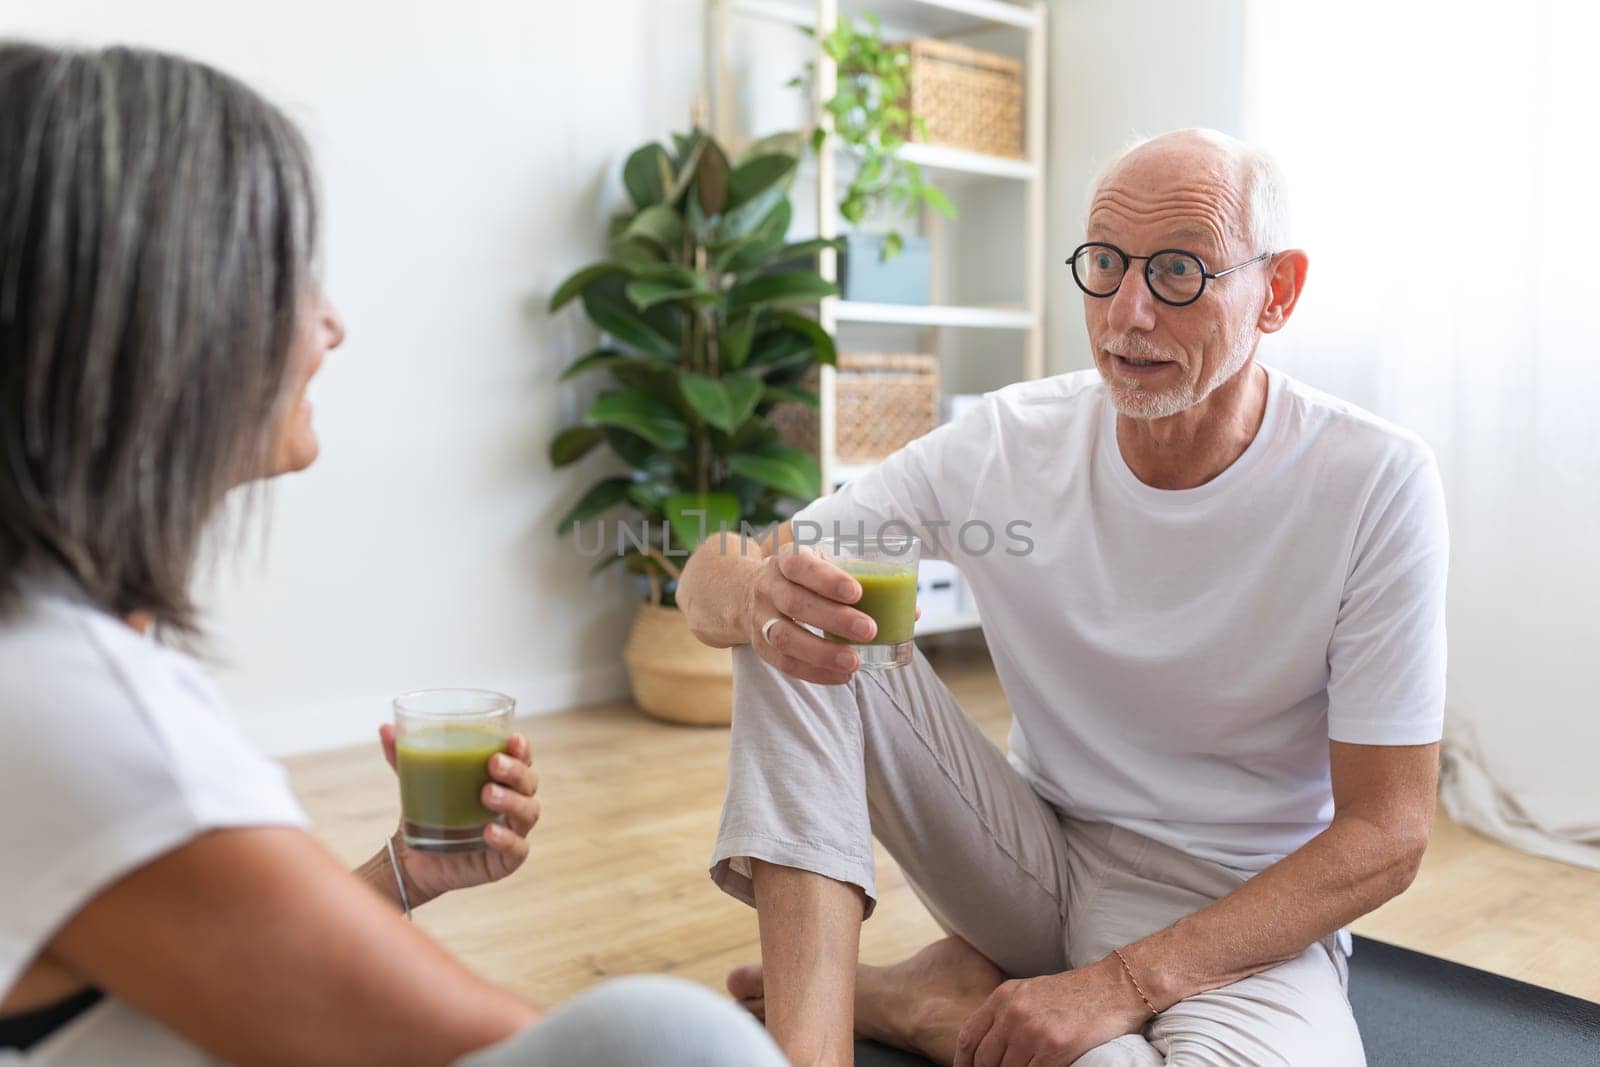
(157, 228)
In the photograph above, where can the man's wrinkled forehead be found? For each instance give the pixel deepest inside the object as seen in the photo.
(1194, 207)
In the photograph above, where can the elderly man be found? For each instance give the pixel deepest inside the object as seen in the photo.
(1223, 645)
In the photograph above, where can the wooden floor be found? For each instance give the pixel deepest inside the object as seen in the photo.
(617, 881)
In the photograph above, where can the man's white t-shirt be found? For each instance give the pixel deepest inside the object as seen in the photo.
(1177, 661)
(113, 751)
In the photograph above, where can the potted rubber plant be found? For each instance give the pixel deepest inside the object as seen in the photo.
(701, 306)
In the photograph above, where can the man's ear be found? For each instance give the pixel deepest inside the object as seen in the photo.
(1286, 280)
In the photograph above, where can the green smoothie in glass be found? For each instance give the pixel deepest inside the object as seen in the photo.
(886, 569)
(444, 739)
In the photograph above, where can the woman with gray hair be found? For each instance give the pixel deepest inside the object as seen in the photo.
(160, 900)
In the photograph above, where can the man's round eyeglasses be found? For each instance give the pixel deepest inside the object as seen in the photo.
(1174, 276)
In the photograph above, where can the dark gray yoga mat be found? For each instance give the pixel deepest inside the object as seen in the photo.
(1417, 1009)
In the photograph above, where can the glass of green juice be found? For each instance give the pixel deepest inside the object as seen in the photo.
(886, 567)
(443, 740)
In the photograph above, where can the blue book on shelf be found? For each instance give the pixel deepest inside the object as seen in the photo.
(905, 279)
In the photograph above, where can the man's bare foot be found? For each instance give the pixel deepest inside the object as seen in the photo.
(918, 1003)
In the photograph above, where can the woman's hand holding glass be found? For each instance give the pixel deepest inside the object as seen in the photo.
(512, 791)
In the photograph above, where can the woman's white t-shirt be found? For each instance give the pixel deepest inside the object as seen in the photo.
(114, 750)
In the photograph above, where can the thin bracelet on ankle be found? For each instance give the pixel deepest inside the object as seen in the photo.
(1136, 987)
(400, 881)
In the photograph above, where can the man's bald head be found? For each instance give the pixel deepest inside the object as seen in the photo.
(1222, 202)
(1246, 180)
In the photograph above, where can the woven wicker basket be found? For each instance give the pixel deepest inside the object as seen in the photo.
(967, 98)
(674, 676)
(884, 401)
(797, 423)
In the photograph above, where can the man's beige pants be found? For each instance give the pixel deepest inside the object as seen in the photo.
(815, 772)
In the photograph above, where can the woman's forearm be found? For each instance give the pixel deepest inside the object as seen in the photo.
(381, 876)
(269, 954)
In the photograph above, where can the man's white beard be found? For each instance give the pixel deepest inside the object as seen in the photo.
(1139, 403)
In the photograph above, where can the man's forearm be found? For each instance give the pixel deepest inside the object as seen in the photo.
(1341, 874)
(714, 589)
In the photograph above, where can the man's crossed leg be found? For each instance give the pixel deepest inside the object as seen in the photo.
(816, 771)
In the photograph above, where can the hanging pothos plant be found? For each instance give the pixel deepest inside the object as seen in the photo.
(871, 116)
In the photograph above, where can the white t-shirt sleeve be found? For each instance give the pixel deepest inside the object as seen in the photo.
(1386, 658)
(925, 489)
(113, 751)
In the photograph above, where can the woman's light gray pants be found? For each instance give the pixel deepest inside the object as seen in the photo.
(646, 1021)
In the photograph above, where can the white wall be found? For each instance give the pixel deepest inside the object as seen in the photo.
(469, 156)
(1120, 69)
(469, 153)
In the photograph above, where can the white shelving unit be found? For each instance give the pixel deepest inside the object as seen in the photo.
(934, 315)
(949, 168)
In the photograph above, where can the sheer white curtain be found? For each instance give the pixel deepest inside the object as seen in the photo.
(1445, 180)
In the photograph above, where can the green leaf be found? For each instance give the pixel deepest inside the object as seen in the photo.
(686, 144)
(638, 453)
(751, 437)
(573, 443)
(596, 360)
(646, 295)
(756, 186)
(821, 340)
(759, 174)
(712, 179)
(788, 470)
(609, 307)
(659, 225)
(699, 223)
(683, 277)
(790, 143)
(724, 403)
(780, 348)
(600, 497)
(713, 511)
(642, 174)
(643, 372)
(650, 494)
(791, 287)
(724, 252)
(643, 413)
(788, 394)
(766, 238)
(743, 396)
(634, 253)
(938, 201)
(733, 342)
(689, 150)
(891, 247)
(579, 280)
(709, 398)
(806, 250)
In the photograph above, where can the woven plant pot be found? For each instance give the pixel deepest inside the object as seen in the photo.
(674, 676)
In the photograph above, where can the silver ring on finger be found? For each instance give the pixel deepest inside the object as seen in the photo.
(766, 628)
